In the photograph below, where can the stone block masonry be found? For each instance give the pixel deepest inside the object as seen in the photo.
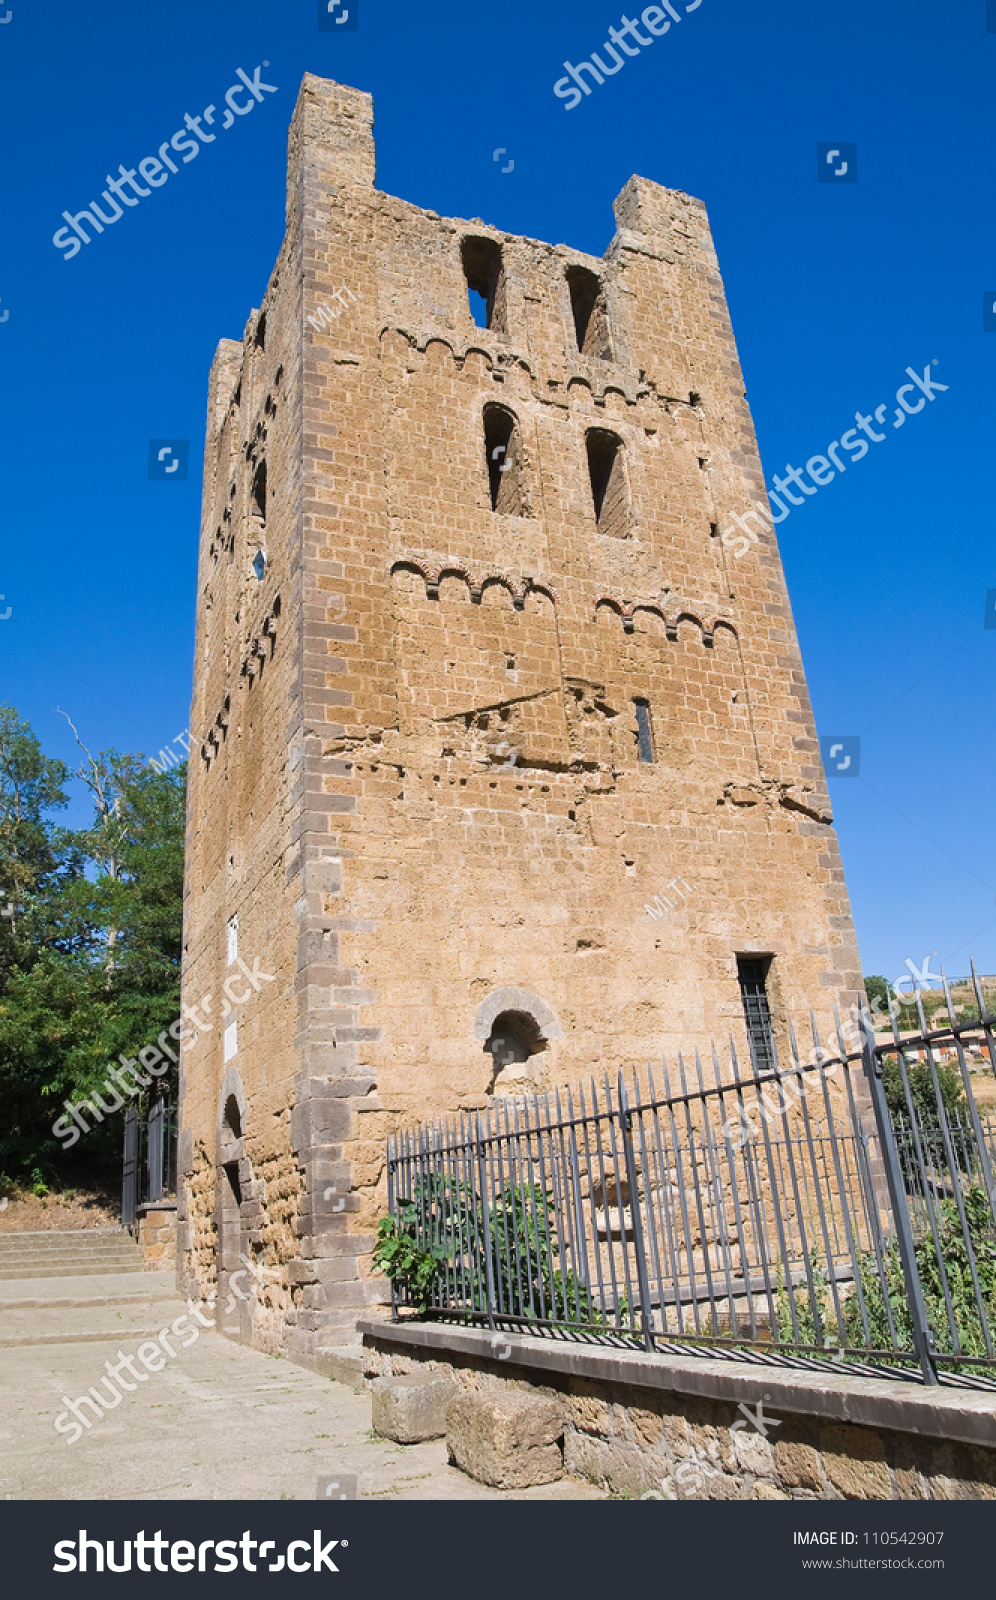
(474, 677)
(673, 1426)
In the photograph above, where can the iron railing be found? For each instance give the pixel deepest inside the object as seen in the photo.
(841, 1209)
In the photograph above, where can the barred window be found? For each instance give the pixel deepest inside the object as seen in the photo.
(752, 972)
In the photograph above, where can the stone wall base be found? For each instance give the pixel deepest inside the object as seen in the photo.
(688, 1429)
(157, 1234)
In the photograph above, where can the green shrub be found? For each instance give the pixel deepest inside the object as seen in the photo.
(881, 1293)
(442, 1237)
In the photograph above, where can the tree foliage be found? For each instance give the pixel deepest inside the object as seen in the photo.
(90, 950)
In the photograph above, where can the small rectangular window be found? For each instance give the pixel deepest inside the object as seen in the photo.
(752, 972)
(644, 734)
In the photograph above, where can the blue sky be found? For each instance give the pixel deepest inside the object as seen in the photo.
(835, 289)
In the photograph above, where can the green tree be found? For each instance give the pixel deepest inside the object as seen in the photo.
(877, 988)
(92, 968)
(31, 864)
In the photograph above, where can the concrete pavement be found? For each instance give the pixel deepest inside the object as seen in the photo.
(220, 1422)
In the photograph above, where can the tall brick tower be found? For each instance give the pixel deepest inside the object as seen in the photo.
(507, 771)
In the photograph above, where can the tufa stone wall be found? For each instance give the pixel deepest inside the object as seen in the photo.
(632, 1439)
(417, 802)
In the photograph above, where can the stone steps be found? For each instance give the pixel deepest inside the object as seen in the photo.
(119, 1308)
(344, 1363)
(68, 1253)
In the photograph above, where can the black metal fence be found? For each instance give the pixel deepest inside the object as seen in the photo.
(840, 1209)
(149, 1167)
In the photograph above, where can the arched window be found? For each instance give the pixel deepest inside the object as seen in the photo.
(591, 323)
(514, 1037)
(607, 472)
(503, 452)
(485, 275)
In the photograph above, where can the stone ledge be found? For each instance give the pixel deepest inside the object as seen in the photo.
(966, 1416)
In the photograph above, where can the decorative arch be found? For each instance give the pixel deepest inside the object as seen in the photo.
(670, 616)
(433, 576)
(516, 1000)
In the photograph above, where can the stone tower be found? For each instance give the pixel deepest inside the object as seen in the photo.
(505, 770)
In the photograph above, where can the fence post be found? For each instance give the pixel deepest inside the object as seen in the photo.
(923, 1338)
(489, 1268)
(129, 1171)
(626, 1126)
(390, 1212)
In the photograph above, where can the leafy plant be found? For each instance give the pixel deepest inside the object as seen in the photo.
(446, 1233)
(90, 950)
(922, 1089)
(884, 1294)
(397, 1253)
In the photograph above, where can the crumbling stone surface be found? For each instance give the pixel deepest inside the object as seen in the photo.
(506, 1438)
(855, 1462)
(798, 1465)
(411, 1409)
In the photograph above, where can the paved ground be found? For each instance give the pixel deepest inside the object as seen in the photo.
(219, 1423)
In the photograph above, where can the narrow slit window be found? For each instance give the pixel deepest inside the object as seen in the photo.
(485, 275)
(607, 472)
(591, 323)
(259, 491)
(504, 461)
(752, 972)
(644, 732)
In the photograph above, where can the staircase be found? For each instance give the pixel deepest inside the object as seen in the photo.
(70, 1253)
(80, 1285)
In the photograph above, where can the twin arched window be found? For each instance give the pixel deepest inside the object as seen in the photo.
(484, 272)
(606, 471)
